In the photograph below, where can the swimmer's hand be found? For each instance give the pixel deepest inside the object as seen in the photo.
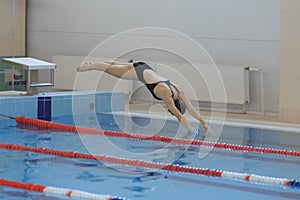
(197, 131)
(207, 127)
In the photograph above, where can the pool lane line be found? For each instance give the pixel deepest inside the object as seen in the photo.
(222, 136)
(56, 190)
(191, 180)
(80, 129)
(155, 165)
(229, 154)
(7, 116)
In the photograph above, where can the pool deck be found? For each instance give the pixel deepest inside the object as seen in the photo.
(231, 119)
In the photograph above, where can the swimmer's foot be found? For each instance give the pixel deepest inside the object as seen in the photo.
(85, 67)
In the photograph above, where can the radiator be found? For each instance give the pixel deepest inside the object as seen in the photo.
(235, 79)
(236, 82)
(66, 77)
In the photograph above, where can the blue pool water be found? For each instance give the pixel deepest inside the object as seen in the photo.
(137, 183)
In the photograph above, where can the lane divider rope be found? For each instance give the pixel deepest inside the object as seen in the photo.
(155, 165)
(80, 129)
(56, 190)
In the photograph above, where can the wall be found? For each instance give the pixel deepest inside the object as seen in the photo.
(12, 28)
(290, 61)
(235, 32)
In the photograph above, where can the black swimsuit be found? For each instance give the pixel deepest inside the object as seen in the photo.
(140, 67)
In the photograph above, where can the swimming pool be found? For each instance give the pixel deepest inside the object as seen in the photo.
(145, 183)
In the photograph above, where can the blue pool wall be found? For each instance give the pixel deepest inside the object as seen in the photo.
(45, 105)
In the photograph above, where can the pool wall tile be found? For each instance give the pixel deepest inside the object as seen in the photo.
(29, 107)
(117, 102)
(15, 106)
(19, 107)
(4, 107)
(45, 105)
(68, 104)
(58, 105)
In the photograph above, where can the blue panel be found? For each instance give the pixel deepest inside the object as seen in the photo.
(40, 111)
(44, 108)
(48, 107)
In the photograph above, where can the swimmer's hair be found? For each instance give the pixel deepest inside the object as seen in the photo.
(179, 104)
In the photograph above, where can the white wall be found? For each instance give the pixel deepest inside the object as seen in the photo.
(235, 32)
(12, 28)
(290, 61)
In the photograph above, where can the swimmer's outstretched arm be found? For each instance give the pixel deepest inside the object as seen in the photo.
(171, 106)
(193, 111)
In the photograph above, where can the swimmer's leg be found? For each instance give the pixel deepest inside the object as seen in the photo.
(125, 71)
